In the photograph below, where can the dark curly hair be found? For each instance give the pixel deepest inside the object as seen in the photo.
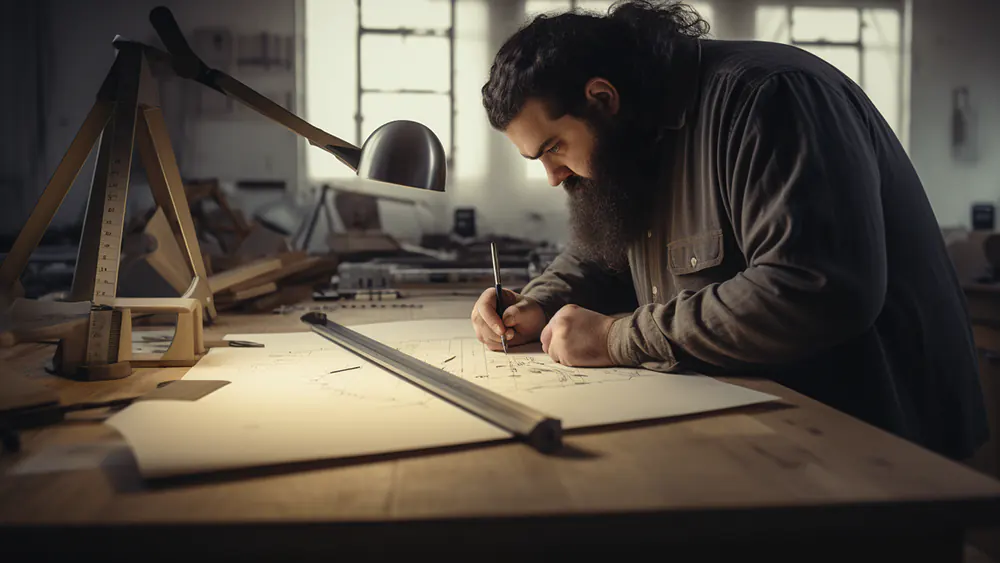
(553, 57)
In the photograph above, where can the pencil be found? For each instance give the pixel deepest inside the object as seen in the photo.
(499, 289)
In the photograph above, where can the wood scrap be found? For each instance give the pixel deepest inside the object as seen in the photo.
(362, 243)
(224, 280)
(295, 271)
(226, 225)
(153, 264)
(285, 296)
(230, 296)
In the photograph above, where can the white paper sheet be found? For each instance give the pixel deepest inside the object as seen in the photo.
(302, 397)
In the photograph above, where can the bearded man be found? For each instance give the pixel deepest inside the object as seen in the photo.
(736, 208)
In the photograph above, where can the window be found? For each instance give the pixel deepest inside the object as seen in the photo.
(532, 8)
(863, 43)
(369, 62)
(331, 79)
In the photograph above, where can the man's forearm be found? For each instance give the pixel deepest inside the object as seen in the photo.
(765, 316)
(570, 279)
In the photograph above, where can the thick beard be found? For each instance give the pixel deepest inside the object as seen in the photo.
(610, 211)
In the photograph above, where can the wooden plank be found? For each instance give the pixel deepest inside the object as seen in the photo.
(284, 296)
(232, 296)
(21, 392)
(289, 266)
(225, 280)
(168, 259)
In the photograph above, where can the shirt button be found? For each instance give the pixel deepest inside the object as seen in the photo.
(654, 290)
(694, 261)
(649, 234)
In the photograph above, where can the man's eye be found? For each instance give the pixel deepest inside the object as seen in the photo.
(554, 149)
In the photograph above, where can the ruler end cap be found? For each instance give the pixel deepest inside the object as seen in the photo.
(314, 318)
(546, 437)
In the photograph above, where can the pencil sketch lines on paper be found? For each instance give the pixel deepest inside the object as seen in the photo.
(357, 384)
(518, 371)
(331, 373)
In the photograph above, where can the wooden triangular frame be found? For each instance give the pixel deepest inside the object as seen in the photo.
(125, 116)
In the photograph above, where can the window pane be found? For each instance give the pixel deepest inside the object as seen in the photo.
(431, 110)
(704, 10)
(599, 6)
(844, 58)
(882, 28)
(534, 170)
(881, 78)
(418, 14)
(392, 62)
(472, 66)
(772, 24)
(331, 79)
(533, 8)
(830, 24)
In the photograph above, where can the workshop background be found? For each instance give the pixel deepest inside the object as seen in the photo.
(915, 58)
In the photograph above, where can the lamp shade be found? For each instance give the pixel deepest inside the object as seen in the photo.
(406, 153)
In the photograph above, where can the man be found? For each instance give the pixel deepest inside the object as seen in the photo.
(736, 208)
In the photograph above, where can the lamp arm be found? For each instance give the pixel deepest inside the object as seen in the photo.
(187, 64)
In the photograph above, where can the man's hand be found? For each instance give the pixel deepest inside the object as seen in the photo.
(522, 320)
(578, 337)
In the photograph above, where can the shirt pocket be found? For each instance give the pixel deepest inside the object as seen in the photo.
(691, 260)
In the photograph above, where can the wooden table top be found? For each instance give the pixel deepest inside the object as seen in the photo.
(796, 464)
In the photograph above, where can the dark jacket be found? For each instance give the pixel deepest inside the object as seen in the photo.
(792, 240)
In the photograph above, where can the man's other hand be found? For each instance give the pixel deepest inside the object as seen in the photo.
(522, 320)
(578, 337)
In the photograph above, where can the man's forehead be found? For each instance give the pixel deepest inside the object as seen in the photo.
(531, 127)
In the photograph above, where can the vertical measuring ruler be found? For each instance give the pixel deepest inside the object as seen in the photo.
(100, 249)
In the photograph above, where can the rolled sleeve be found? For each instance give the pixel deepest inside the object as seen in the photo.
(625, 348)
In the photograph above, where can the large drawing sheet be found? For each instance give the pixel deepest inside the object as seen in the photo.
(302, 398)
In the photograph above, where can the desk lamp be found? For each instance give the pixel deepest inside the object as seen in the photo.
(404, 153)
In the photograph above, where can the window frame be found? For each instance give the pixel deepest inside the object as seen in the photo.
(403, 31)
(858, 45)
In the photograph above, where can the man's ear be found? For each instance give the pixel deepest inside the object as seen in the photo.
(602, 93)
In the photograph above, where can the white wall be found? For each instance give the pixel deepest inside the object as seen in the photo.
(955, 43)
(227, 148)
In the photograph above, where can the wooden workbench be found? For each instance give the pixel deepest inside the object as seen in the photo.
(793, 481)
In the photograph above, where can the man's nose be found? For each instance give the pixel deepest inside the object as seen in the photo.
(557, 175)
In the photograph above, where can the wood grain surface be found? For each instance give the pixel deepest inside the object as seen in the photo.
(795, 465)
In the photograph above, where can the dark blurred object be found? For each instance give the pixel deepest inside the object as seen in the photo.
(360, 246)
(540, 258)
(213, 216)
(50, 267)
(358, 212)
(23, 396)
(983, 216)
(975, 255)
(964, 126)
(55, 236)
(465, 222)
(276, 185)
(303, 236)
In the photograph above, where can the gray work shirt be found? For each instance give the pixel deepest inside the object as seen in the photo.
(792, 240)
